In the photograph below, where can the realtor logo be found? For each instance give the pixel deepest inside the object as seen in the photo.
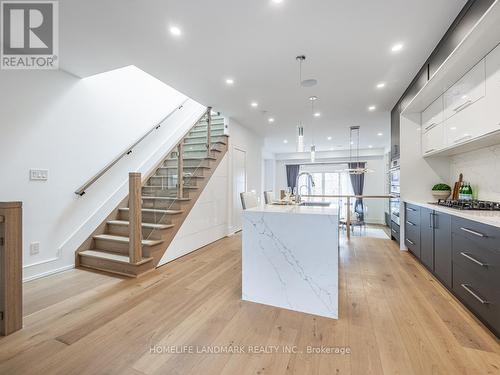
(29, 35)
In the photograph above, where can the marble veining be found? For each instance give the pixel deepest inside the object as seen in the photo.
(290, 258)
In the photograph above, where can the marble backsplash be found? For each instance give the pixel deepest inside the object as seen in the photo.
(482, 169)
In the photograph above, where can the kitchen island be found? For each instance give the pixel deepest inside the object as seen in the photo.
(290, 258)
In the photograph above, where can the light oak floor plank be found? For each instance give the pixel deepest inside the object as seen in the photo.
(395, 318)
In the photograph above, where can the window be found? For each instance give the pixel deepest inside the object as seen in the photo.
(329, 179)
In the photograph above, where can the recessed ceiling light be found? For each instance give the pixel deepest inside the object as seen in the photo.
(370, 146)
(313, 98)
(270, 119)
(331, 148)
(317, 114)
(277, 1)
(397, 47)
(230, 81)
(352, 142)
(329, 138)
(174, 30)
(380, 134)
(380, 85)
(254, 104)
(372, 108)
(285, 141)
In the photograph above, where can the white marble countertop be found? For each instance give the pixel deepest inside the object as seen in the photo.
(331, 210)
(485, 217)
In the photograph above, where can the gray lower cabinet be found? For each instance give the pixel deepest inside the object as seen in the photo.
(442, 248)
(427, 237)
(464, 255)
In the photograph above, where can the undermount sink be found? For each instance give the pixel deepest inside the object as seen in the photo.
(316, 204)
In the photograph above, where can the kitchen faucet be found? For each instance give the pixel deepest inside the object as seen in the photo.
(297, 198)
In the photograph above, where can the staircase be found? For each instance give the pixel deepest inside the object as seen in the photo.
(158, 206)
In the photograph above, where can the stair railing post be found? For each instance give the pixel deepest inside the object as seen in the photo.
(209, 130)
(135, 217)
(11, 250)
(180, 170)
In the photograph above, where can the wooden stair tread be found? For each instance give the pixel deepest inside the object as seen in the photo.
(194, 158)
(165, 198)
(204, 143)
(111, 237)
(170, 187)
(185, 167)
(144, 225)
(108, 255)
(155, 211)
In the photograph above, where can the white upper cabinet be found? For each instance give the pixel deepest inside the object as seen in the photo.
(467, 91)
(433, 115)
(492, 118)
(433, 139)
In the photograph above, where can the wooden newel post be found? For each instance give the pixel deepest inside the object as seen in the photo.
(11, 265)
(135, 217)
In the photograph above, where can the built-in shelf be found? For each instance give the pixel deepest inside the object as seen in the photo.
(481, 40)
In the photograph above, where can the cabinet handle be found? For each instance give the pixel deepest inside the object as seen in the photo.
(431, 220)
(410, 209)
(473, 259)
(410, 241)
(409, 222)
(394, 231)
(432, 149)
(473, 232)
(463, 106)
(462, 138)
(474, 294)
(430, 126)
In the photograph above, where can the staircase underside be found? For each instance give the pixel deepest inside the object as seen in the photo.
(107, 249)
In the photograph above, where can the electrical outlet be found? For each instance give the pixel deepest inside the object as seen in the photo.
(39, 174)
(34, 248)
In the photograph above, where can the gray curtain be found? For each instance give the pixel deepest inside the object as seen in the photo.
(292, 171)
(358, 182)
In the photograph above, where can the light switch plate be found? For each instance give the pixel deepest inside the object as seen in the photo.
(39, 174)
(34, 248)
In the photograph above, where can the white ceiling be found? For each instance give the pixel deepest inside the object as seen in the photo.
(347, 44)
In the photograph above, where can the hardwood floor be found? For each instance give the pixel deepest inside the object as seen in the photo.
(395, 318)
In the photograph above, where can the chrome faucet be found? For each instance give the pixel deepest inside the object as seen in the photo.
(297, 198)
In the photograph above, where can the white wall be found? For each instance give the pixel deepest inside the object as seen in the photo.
(212, 215)
(375, 183)
(52, 120)
(482, 169)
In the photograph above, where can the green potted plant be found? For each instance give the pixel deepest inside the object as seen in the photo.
(441, 191)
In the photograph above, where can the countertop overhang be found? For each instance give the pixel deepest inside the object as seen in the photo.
(331, 210)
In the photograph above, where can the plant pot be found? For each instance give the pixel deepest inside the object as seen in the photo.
(441, 194)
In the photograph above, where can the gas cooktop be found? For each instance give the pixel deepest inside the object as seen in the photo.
(470, 205)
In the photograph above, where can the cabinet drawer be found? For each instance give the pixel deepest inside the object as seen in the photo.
(475, 259)
(468, 90)
(412, 213)
(485, 236)
(433, 115)
(412, 232)
(477, 295)
(395, 231)
(433, 140)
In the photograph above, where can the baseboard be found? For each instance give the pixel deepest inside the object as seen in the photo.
(48, 273)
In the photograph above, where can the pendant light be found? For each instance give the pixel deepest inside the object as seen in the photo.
(312, 99)
(354, 133)
(300, 138)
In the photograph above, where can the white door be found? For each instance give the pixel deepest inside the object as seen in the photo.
(239, 185)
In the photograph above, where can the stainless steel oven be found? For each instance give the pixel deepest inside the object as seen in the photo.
(394, 174)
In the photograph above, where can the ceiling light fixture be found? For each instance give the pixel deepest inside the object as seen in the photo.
(277, 1)
(329, 138)
(370, 146)
(230, 81)
(285, 141)
(380, 134)
(372, 108)
(254, 104)
(174, 30)
(380, 85)
(397, 47)
(306, 82)
(270, 119)
(317, 114)
(313, 98)
(355, 166)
